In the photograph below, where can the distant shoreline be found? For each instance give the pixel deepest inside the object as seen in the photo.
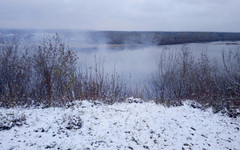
(131, 37)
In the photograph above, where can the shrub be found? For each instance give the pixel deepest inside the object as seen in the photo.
(180, 76)
(49, 76)
(15, 73)
(94, 84)
(9, 120)
(54, 68)
(72, 122)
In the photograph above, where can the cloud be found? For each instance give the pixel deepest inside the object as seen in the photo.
(143, 15)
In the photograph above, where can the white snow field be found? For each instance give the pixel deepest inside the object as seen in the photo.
(88, 125)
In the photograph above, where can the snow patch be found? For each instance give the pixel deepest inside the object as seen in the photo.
(145, 125)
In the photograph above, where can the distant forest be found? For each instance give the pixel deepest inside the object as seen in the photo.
(128, 37)
(162, 38)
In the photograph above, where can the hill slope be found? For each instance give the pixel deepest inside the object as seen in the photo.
(86, 125)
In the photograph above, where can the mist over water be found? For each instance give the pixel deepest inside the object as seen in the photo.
(141, 62)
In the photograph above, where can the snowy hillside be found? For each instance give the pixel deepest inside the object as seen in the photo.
(86, 125)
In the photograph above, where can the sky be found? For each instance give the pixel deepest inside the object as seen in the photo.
(122, 15)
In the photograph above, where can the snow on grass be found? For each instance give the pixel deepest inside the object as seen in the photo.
(86, 125)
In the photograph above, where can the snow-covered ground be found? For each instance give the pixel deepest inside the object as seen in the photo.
(87, 125)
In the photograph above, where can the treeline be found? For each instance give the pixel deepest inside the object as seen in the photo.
(158, 38)
(48, 74)
(180, 76)
(127, 38)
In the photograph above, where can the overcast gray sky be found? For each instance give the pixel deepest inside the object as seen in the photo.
(137, 15)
